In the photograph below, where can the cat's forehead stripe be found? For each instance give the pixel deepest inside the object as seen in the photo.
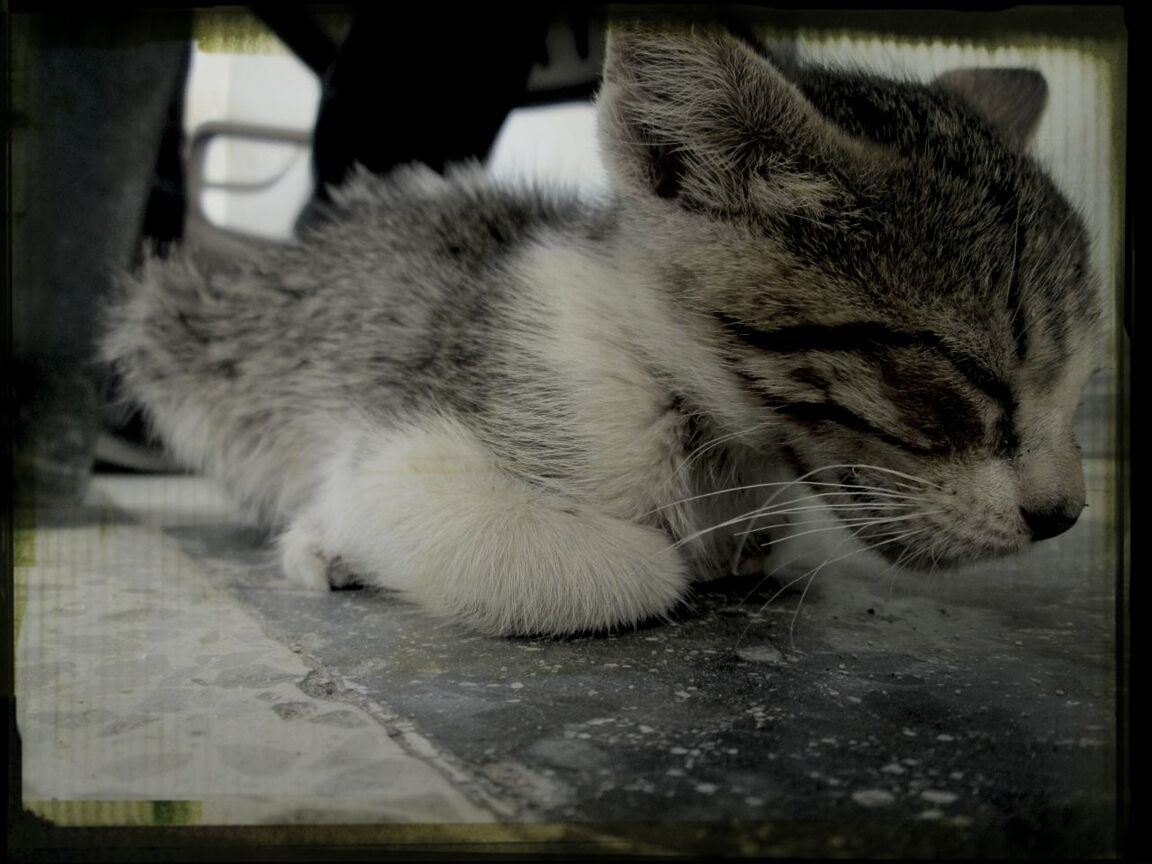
(866, 336)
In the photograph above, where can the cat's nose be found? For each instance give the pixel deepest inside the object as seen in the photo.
(1051, 519)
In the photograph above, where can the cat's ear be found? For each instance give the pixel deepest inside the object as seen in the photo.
(694, 114)
(1012, 100)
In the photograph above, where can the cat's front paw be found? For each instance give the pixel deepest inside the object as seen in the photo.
(304, 560)
(747, 557)
(750, 565)
(301, 559)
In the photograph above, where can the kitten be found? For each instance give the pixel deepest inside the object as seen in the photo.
(531, 413)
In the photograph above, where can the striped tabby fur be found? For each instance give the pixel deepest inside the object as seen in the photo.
(537, 415)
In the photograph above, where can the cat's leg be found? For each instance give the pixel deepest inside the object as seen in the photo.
(301, 557)
(304, 559)
(428, 512)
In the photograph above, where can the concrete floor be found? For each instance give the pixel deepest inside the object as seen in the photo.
(161, 658)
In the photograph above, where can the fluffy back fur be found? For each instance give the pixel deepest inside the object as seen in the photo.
(540, 416)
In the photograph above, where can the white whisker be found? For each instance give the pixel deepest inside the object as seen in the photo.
(715, 442)
(893, 537)
(894, 569)
(841, 490)
(861, 522)
(781, 510)
(923, 482)
(815, 572)
(875, 491)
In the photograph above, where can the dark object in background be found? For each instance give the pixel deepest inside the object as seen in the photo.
(420, 83)
(92, 92)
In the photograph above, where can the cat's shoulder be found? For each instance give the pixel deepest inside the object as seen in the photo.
(463, 214)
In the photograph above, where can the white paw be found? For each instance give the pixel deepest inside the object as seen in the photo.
(751, 565)
(749, 556)
(301, 558)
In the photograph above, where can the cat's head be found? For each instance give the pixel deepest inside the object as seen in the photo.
(901, 290)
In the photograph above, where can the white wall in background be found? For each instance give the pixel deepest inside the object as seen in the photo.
(554, 143)
(268, 89)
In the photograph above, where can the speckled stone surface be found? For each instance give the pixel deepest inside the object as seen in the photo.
(967, 713)
(139, 679)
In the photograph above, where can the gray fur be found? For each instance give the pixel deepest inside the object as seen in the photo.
(797, 268)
